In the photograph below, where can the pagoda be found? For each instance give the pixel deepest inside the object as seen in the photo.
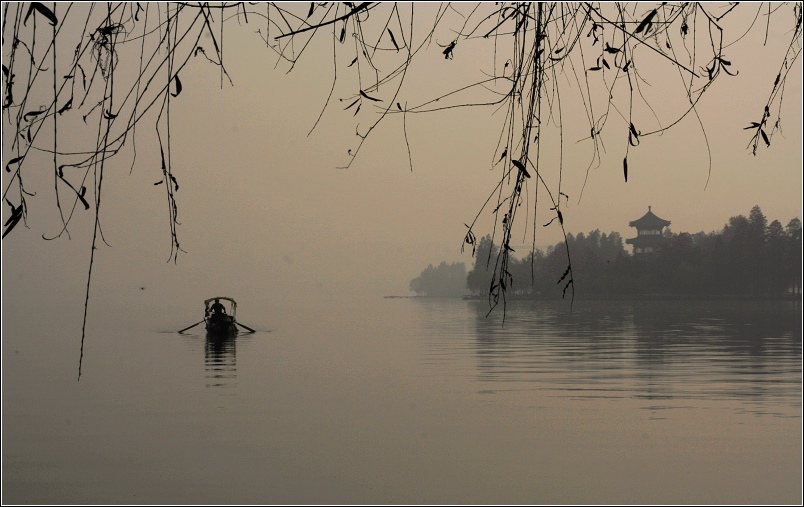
(649, 233)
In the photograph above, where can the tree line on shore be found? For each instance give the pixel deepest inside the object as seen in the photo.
(749, 257)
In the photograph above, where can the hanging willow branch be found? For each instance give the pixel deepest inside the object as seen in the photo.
(60, 76)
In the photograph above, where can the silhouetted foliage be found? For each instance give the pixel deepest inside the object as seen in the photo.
(748, 257)
(65, 94)
(481, 276)
(446, 280)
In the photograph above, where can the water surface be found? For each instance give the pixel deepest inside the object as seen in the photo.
(409, 400)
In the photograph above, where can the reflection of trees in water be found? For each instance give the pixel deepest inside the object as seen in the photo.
(220, 361)
(582, 353)
(651, 349)
(761, 330)
(723, 349)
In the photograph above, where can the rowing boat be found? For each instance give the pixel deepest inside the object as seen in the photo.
(220, 317)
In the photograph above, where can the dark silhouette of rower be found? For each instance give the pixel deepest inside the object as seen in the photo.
(217, 308)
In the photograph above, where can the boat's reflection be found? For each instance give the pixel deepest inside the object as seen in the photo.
(220, 360)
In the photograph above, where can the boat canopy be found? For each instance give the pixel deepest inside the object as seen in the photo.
(209, 301)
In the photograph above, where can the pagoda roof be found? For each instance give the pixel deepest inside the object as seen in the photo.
(649, 221)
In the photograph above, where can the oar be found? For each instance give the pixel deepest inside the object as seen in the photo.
(188, 327)
(241, 325)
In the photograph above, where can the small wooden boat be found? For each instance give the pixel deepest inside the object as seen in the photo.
(219, 317)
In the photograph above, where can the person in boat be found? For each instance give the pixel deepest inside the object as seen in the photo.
(217, 308)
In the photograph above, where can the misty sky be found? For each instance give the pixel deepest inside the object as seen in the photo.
(266, 211)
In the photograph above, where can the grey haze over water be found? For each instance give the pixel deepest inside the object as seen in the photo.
(411, 400)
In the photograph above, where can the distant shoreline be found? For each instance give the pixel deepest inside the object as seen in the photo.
(622, 297)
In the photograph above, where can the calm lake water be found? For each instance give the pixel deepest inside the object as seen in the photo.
(409, 401)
